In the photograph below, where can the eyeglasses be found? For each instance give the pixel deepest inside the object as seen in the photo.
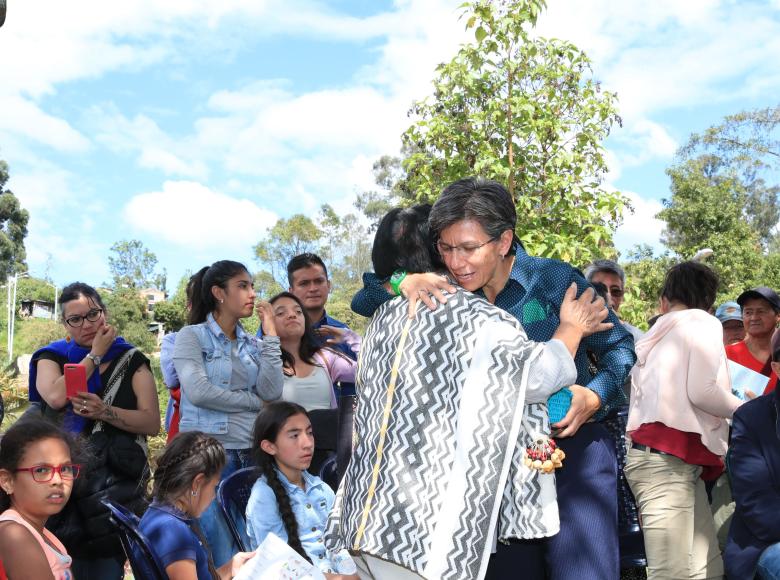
(464, 250)
(44, 473)
(77, 321)
(615, 292)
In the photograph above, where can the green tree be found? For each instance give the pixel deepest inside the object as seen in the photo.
(286, 239)
(172, 313)
(707, 210)
(746, 147)
(13, 229)
(525, 111)
(134, 265)
(127, 312)
(375, 203)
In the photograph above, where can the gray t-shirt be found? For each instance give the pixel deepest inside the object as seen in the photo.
(311, 392)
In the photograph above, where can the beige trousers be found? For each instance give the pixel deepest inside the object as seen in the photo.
(677, 524)
(369, 567)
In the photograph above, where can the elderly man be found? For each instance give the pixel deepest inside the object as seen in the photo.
(612, 276)
(761, 315)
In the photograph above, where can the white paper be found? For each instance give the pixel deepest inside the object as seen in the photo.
(744, 379)
(275, 560)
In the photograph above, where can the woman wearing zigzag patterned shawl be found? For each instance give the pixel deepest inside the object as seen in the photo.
(447, 402)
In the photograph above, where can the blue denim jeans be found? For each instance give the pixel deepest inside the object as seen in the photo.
(769, 563)
(212, 522)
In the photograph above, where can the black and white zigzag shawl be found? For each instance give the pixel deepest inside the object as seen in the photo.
(439, 427)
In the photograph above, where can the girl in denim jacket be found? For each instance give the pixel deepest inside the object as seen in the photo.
(226, 375)
(287, 500)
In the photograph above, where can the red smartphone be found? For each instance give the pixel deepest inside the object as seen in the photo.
(75, 380)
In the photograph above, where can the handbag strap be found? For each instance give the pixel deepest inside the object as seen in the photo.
(114, 382)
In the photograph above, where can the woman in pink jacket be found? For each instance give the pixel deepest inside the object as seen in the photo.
(310, 367)
(680, 400)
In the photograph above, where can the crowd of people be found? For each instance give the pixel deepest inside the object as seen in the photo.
(474, 422)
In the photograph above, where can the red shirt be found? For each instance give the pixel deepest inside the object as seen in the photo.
(739, 353)
(683, 445)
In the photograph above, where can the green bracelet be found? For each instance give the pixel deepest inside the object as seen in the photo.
(395, 281)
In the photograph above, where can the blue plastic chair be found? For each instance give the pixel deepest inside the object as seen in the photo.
(232, 496)
(143, 560)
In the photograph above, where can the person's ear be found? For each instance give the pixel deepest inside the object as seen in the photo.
(218, 293)
(6, 481)
(268, 447)
(776, 368)
(505, 242)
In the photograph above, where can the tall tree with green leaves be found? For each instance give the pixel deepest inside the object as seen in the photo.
(133, 265)
(745, 147)
(707, 210)
(13, 229)
(525, 111)
(287, 238)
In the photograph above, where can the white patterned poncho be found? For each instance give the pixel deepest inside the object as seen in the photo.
(440, 430)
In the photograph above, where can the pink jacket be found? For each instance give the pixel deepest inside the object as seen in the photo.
(681, 378)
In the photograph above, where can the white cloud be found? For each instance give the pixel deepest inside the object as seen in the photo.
(23, 117)
(641, 227)
(194, 217)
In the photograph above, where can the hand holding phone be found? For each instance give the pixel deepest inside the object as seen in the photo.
(75, 380)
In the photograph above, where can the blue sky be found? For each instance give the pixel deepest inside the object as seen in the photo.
(194, 125)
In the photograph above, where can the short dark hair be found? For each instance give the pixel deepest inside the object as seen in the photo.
(301, 261)
(403, 241)
(474, 198)
(692, 284)
(76, 290)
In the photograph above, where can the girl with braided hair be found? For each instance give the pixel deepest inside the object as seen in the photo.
(184, 486)
(286, 500)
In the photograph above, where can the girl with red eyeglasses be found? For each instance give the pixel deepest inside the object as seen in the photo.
(36, 478)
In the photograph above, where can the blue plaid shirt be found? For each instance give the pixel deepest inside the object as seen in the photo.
(533, 294)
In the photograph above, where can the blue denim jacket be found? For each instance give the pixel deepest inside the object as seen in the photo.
(311, 508)
(202, 357)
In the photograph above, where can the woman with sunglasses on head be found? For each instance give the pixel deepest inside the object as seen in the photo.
(116, 412)
(36, 479)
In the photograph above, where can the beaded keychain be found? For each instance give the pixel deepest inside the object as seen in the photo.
(544, 455)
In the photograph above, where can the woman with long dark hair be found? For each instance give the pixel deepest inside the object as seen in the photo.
(226, 374)
(310, 368)
(287, 500)
(116, 413)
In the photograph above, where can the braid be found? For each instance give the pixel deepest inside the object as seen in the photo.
(285, 509)
(195, 527)
(167, 480)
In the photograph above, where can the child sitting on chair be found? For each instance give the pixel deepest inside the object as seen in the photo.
(287, 500)
(36, 478)
(185, 480)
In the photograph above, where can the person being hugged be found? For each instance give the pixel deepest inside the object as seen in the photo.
(184, 485)
(226, 375)
(36, 479)
(287, 500)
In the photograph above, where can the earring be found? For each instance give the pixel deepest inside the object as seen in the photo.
(222, 301)
(194, 492)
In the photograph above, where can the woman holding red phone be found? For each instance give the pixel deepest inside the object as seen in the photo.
(115, 409)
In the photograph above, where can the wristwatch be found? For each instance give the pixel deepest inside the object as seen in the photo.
(95, 358)
(395, 281)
